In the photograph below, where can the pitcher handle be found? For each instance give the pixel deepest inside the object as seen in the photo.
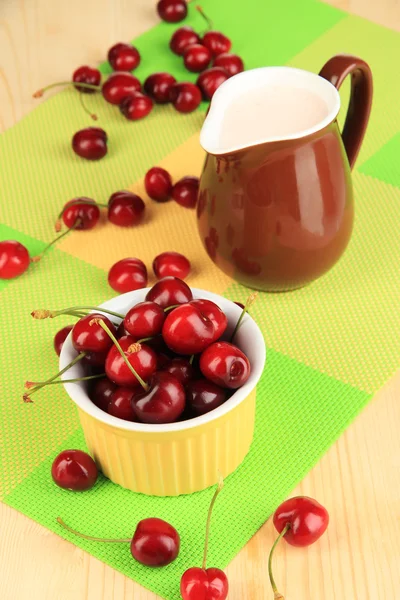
(335, 71)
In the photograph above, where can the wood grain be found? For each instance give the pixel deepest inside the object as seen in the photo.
(358, 479)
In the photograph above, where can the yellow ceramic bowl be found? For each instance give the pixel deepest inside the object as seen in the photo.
(178, 458)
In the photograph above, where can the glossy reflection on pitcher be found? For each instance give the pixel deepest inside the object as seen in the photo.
(275, 208)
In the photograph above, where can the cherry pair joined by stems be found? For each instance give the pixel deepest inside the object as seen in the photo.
(155, 543)
(123, 57)
(300, 521)
(205, 583)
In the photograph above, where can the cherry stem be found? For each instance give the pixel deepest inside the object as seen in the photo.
(250, 300)
(30, 384)
(77, 223)
(51, 314)
(26, 396)
(278, 595)
(171, 307)
(205, 17)
(191, 359)
(89, 86)
(122, 353)
(85, 108)
(89, 537)
(143, 340)
(217, 491)
(74, 203)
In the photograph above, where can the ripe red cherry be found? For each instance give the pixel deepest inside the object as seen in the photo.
(225, 364)
(101, 392)
(86, 74)
(90, 143)
(216, 42)
(140, 356)
(155, 543)
(181, 38)
(204, 584)
(163, 402)
(158, 184)
(127, 275)
(307, 520)
(157, 86)
(210, 80)
(187, 330)
(169, 291)
(14, 259)
(60, 338)
(89, 336)
(172, 11)
(171, 263)
(121, 404)
(144, 320)
(214, 313)
(196, 58)
(203, 396)
(125, 209)
(232, 63)
(123, 57)
(136, 106)
(118, 86)
(83, 210)
(185, 191)
(179, 368)
(185, 97)
(95, 360)
(74, 470)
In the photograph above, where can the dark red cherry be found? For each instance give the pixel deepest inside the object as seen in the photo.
(90, 143)
(210, 80)
(123, 57)
(163, 402)
(118, 86)
(121, 331)
(95, 360)
(187, 330)
(203, 396)
(185, 97)
(225, 365)
(136, 106)
(179, 368)
(140, 356)
(101, 391)
(232, 63)
(171, 264)
(86, 74)
(74, 470)
(144, 320)
(214, 313)
(216, 42)
(169, 291)
(14, 259)
(158, 184)
(89, 336)
(155, 543)
(181, 38)
(60, 338)
(157, 86)
(196, 58)
(172, 11)
(125, 209)
(186, 191)
(83, 211)
(121, 404)
(127, 275)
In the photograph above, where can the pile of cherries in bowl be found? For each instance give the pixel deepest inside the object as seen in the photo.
(175, 363)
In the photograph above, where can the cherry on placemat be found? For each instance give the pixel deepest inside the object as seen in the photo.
(232, 63)
(74, 470)
(157, 86)
(158, 184)
(216, 41)
(172, 11)
(136, 106)
(196, 57)
(90, 143)
(181, 38)
(118, 86)
(123, 57)
(185, 96)
(210, 80)
(127, 275)
(171, 263)
(79, 213)
(125, 209)
(186, 191)
(14, 259)
(60, 338)
(86, 74)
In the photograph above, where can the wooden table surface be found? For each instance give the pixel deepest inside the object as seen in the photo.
(358, 480)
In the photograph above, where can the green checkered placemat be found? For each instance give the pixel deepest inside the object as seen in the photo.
(330, 345)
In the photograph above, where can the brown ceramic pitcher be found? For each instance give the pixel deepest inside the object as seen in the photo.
(275, 211)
